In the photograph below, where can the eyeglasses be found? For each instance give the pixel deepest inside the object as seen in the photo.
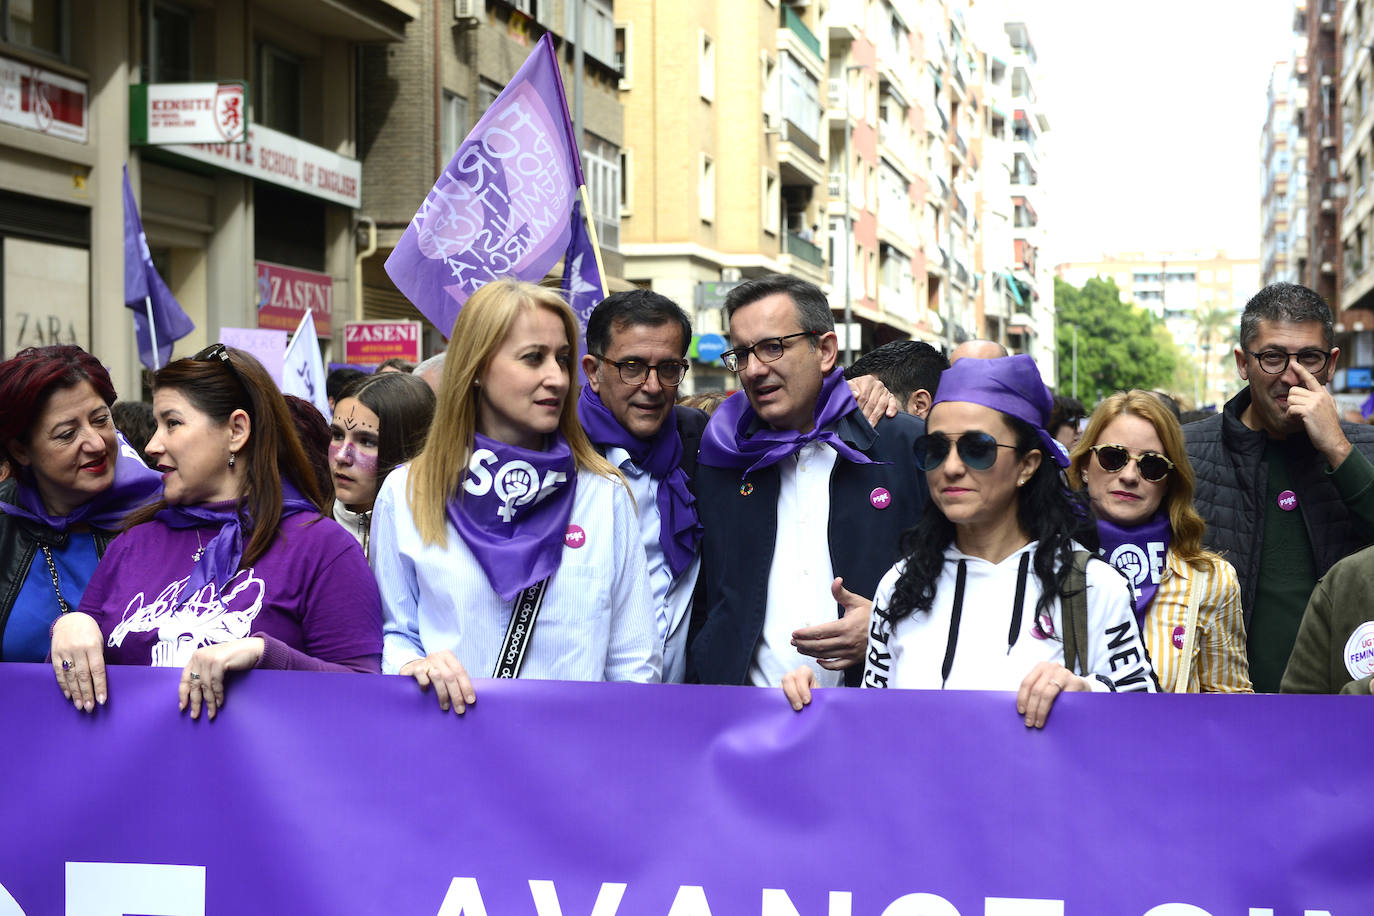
(768, 350)
(1153, 466)
(1275, 361)
(636, 372)
(978, 451)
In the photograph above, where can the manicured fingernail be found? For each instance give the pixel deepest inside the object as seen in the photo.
(444, 707)
(101, 699)
(471, 698)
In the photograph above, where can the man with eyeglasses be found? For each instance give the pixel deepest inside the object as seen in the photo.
(1285, 486)
(636, 358)
(795, 487)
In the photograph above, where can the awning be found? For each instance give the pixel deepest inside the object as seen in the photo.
(1015, 288)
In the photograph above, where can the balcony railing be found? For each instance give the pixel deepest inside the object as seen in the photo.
(792, 21)
(808, 251)
(836, 186)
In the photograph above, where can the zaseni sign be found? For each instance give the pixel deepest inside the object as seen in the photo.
(369, 343)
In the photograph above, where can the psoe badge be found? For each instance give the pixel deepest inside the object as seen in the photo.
(1359, 651)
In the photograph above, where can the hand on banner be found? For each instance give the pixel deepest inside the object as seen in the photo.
(1311, 403)
(874, 400)
(838, 643)
(1042, 687)
(202, 680)
(797, 685)
(78, 659)
(445, 672)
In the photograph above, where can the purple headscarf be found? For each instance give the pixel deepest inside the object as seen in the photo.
(1009, 385)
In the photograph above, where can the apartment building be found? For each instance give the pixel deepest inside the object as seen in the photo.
(1283, 165)
(220, 218)
(1316, 23)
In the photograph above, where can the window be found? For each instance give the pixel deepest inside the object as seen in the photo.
(169, 58)
(801, 98)
(706, 189)
(41, 25)
(277, 90)
(770, 196)
(706, 77)
(627, 180)
(487, 91)
(453, 123)
(601, 167)
(624, 54)
(768, 84)
(598, 28)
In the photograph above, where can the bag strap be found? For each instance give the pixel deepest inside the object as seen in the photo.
(1185, 671)
(520, 629)
(1073, 614)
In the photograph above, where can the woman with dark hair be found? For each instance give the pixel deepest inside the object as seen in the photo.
(1132, 463)
(232, 570)
(380, 422)
(993, 593)
(74, 482)
(313, 431)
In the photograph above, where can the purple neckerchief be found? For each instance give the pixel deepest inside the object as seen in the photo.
(1139, 554)
(679, 530)
(222, 554)
(134, 485)
(513, 509)
(729, 443)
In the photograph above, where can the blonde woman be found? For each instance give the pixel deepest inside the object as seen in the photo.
(509, 547)
(1132, 462)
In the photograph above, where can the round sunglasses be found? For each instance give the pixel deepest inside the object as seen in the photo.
(978, 451)
(1153, 466)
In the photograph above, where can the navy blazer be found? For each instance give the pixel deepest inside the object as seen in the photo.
(740, 521)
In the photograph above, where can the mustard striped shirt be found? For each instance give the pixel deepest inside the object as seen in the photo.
(1220, 664)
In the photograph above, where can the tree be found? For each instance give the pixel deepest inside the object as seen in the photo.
(1119, 344)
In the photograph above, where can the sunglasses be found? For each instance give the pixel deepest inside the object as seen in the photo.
(978, 451)
(1153, 466)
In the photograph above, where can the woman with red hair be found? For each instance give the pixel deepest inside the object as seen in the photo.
(73, 482)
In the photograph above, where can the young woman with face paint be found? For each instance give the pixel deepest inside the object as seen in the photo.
(379, 422)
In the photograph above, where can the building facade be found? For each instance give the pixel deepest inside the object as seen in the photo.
(1316, 22)
(230, 226)
(1283, 169)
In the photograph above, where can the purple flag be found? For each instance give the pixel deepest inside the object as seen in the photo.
(501, 207)
(582, 282)
(144, 291)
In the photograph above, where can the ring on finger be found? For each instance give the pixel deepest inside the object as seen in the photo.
(67, 664)
(194, 676)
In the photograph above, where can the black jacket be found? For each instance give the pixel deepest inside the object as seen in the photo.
(741, 531)
(1228, 459)
(19, 540)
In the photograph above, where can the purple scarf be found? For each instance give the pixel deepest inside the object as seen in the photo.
(512, 511)
(134, 485)
(679, 532)
(1139, 553)
(728, 442)
(222, 553)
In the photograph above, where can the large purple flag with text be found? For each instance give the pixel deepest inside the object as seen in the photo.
(353, 794)
(501, 206)
(144, 292)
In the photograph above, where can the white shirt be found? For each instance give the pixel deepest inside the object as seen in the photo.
(355, 523)
(799, 579)
(672, 596)
(912, 653)
(597, 620)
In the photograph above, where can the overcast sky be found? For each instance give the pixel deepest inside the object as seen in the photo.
(1155, 113)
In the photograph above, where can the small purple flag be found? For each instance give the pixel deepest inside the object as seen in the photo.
(144, 291)
(501, 207)
(582, 283)
(1367, 407)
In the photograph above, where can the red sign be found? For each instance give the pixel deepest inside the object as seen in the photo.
(368, 343)
(284, 293)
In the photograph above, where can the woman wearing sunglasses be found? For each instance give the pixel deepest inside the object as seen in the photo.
(1133, 465)
(234, 568)
(993, 593)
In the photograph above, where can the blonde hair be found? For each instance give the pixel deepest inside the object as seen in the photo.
(482, 325)
(1185, 521)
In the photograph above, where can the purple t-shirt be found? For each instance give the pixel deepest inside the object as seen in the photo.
(311, 597)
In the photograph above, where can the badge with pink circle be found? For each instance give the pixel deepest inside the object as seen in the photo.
(575, 537)
(880, 498)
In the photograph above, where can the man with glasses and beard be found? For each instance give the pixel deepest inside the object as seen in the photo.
(802, 501)
(1285, 486)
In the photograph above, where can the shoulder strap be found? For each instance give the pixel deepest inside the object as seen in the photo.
(1073, 614)
(1185, 671)
(520, 629)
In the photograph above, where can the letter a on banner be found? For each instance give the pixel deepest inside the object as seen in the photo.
(502, 206)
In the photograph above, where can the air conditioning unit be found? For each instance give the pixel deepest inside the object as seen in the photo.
(469, 11)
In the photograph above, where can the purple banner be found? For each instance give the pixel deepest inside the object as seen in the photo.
(353, 794)
(501, 207)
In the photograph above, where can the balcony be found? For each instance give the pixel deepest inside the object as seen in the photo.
(836, 185)
(792, 21)
(799, 247)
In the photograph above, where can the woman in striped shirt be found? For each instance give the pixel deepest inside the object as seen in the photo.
(1132, 462)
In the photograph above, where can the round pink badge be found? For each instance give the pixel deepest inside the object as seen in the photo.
(1178, 637)
(880, 498)
(575, 537)
(1288, 500)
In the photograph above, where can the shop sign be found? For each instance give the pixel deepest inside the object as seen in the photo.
(40, 100)
(270, 155)
(169, 113)
(369, 343)
(284, 293)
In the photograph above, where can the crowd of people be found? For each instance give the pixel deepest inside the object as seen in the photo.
(914, 520)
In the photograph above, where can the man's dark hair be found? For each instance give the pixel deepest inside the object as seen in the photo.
(1065, 410)
(903, 366)
(335, 381)
(136, 421)
(1285, 302)
(634, 307)
(813, 309)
